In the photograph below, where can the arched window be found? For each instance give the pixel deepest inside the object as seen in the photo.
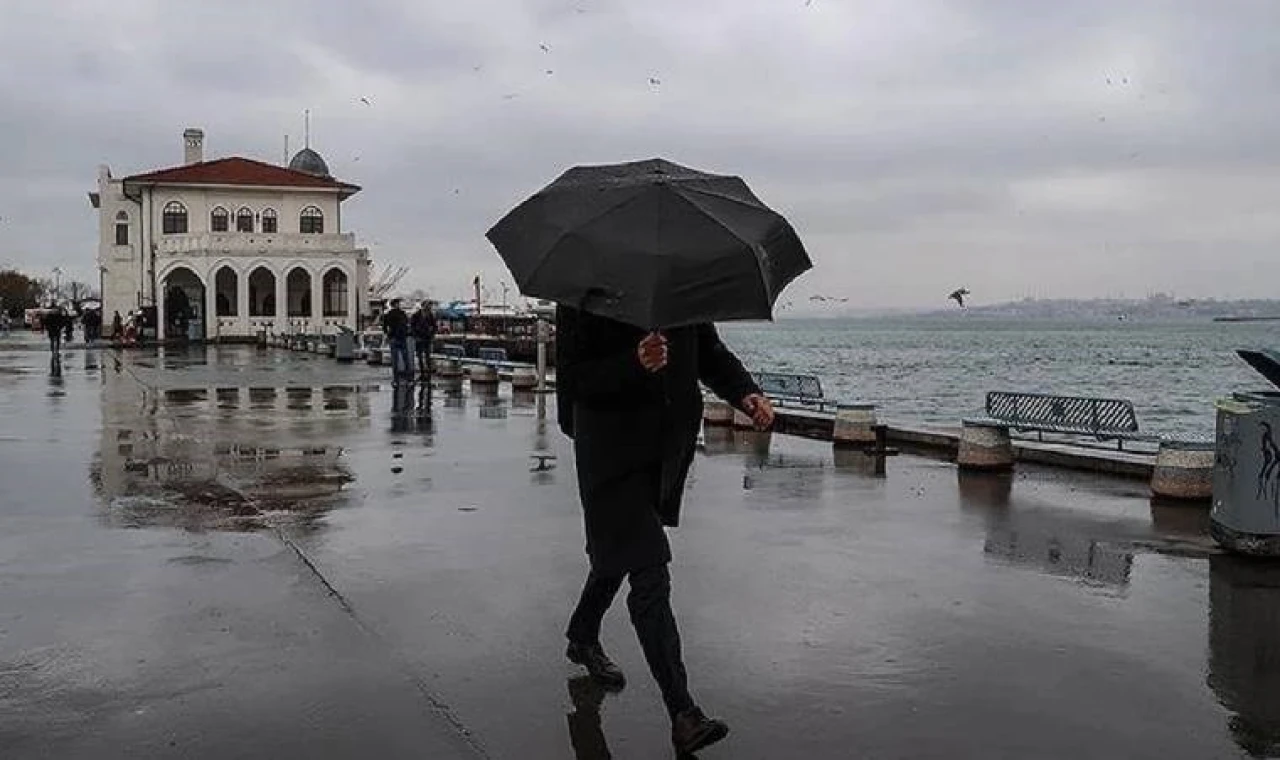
(122, 228)
(174, 218)
(218, 219)
(311, 220)
(269, 222)
(244, 220)
(334, 288)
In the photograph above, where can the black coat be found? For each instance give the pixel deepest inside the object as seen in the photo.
(635, 432)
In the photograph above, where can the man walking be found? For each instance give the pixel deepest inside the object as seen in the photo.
(422, 325)
(395, 325)
(632, 404)
(54, 324)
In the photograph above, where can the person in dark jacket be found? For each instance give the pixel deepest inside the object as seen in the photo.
(422, 325)
(55, 322)
(632, 404)
(395, 324)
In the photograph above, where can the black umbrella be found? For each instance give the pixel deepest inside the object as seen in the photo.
(651, 243)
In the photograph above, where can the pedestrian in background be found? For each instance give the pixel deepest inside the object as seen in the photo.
(395, 325)
(422, 325)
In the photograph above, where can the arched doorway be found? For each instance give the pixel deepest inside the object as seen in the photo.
(262, 293)
(226, 292)
(298, 292)
(184, 317)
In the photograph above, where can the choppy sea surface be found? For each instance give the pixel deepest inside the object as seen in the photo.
(936, 370)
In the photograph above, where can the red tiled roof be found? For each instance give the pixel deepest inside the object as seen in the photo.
(239, 171)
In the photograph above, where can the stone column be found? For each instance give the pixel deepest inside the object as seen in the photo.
(212, 325)
(985, 445)
(317, 305)
(282, 303)
(159, 331)
(242, 303)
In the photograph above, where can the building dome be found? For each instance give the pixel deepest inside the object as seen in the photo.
(309, 162)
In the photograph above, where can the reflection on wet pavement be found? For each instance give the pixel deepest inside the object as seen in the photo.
(831, 606)
(1244, 650)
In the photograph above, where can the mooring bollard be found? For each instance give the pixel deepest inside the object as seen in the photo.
(375, 356)
(984, 445)
(483, 374)
(524, 378)
(717, 413)
(741, 421)
(1183, 471)
(449, 368)
(854, 425)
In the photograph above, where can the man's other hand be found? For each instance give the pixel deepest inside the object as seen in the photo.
(759, 409)
(653, 352)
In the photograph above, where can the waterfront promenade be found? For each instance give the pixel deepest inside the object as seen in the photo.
(242, 553)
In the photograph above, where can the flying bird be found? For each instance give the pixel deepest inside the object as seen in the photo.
(511, 96)
(654, 81)
(365, 101)
(545, 49)
(958, 296)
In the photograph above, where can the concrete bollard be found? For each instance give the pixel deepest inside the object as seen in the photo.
(449, 368)
(741, 421)
(854, 425)
(984, 445)
(524, 378)
(375, 356)
(1183, 471)
(482, 374)
(717, 413)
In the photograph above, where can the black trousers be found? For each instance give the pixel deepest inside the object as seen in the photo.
(649, 603)
(422, 347)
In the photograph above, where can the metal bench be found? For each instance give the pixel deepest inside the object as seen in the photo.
(452, 351)
(492, 355)
(796, 391)
(1105, 419)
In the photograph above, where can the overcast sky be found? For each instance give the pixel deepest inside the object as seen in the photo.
(1017, 147)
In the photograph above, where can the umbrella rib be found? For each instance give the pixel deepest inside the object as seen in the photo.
(764, 275)
(559, 238)
(759, 206)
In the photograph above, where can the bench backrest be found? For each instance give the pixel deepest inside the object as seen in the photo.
(492, 354)
(452, 350)
(1071, 413)
(797, 390)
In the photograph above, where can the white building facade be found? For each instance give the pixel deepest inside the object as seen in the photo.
(231, 247)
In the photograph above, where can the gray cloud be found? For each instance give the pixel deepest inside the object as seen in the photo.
(915, 146)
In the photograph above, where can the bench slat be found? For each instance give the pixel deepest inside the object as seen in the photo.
(1063, 414)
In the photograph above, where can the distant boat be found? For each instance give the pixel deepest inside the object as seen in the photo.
(1247, 319)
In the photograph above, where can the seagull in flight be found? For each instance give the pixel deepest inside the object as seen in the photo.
(958, 296)
(365, 101)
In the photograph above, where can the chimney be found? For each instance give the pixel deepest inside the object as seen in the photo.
(193, 146)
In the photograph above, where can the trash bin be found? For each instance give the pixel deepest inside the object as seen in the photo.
(1246, 474)
(345, 345)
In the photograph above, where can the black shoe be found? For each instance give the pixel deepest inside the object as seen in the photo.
(692, 730)
(597, 663)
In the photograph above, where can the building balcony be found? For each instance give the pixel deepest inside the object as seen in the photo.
(254, 242)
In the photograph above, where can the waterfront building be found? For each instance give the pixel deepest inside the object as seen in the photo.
(230, 247)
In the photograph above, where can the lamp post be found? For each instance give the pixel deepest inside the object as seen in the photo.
(57, 284)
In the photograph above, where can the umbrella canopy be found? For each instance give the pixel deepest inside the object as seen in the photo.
(651, 243)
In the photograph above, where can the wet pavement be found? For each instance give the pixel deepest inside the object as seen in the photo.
(234, 553)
